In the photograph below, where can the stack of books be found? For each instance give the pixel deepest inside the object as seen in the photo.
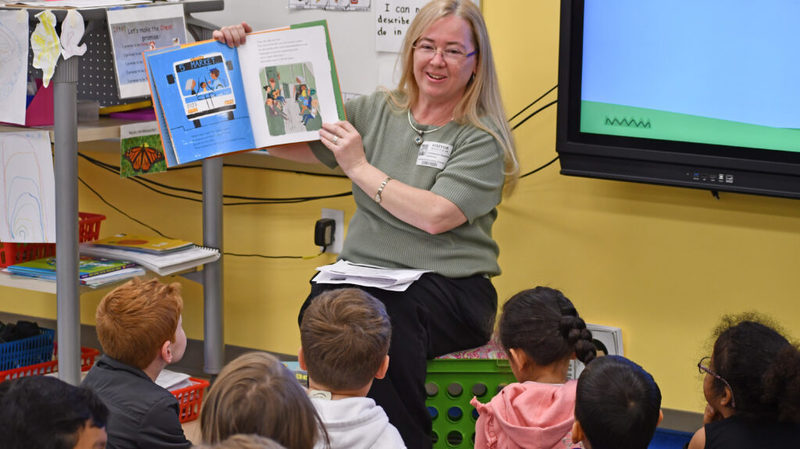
(161, 255)
(92, 271)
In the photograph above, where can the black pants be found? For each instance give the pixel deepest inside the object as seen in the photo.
(435, 316)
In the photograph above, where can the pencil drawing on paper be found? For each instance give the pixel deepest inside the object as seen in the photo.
(28, 188)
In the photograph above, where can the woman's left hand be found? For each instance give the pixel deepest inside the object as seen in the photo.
(345, 143)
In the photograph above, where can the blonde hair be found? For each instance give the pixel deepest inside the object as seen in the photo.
(481, 100)
(255, 393)
(135, 319)
(242, 441)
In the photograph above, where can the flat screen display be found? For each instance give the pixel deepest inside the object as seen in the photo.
(684, 92)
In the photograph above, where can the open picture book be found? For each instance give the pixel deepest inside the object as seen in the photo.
(277, 88)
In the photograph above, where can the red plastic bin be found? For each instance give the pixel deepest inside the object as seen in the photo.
(190, 399)
(12, 253)
(87, 360)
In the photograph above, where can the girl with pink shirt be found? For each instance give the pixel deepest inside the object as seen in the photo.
(541, 332)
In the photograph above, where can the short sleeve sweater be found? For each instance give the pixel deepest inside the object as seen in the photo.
(472, 178)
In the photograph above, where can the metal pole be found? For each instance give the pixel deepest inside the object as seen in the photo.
(65, 83)
(214, 344)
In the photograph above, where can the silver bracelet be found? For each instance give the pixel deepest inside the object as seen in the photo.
(377, 196)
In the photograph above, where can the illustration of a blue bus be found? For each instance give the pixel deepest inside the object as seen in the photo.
(205, 86)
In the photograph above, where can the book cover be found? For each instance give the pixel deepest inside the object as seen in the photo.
(145, 244)
(113, 276)
(87, 267)
(276, 89)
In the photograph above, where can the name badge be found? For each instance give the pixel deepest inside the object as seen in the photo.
(434, 154)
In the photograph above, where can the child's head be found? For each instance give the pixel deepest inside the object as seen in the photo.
(255, 393)
(214, 73)
(757, 370)
(617, 406)
(45, 412)
(544, 324)
(141, 320)
(243, 441)
(345, 336)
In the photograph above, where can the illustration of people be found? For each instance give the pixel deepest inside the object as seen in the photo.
(307, 103)
(215, 82)
(203, 86)
(275, 108)
(275, 92)
(151, 45)
(190, 86)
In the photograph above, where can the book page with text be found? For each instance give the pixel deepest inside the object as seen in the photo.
(290, 83)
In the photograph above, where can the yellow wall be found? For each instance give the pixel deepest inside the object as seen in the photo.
(661, 263)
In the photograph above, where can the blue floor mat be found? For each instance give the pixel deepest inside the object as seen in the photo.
(669, 439)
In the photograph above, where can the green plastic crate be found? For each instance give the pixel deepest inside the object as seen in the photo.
(450, 385)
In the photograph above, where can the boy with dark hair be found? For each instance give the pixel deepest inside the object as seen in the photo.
(140, 328)
(345, 336)
(44, 412)
(617, 406)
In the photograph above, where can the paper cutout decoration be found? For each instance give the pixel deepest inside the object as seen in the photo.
(45, 45)
(72, 29)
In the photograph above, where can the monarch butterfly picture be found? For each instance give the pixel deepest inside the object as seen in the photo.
(141, 155)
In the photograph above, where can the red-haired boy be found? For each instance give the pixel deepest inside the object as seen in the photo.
(140, 328)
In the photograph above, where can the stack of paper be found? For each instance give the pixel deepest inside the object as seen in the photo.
(162, 264)
(344, 272)
(171, 380)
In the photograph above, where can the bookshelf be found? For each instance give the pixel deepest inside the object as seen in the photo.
(66, 135)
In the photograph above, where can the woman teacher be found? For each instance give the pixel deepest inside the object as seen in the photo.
(429, 162)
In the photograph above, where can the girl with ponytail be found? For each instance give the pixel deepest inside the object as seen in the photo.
(541, 332)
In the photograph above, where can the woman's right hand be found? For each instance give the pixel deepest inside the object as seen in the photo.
(232, 35)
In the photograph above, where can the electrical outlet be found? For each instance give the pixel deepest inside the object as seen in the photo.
(607, 339)
(338, 234)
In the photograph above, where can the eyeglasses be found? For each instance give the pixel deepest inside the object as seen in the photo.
(452, 55)
(703, 368)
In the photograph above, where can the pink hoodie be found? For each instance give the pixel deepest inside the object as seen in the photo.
(527, 415)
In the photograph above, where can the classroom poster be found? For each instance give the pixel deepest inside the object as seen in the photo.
(337, 5)
(141, 152)
(134, 30)
(392, 18)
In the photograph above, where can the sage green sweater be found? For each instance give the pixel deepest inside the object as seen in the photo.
(472, 179)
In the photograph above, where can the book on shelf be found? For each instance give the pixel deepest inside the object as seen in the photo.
(143, 243)
(114, 276)
(88, 267)
(162, 264)
(275, 89)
